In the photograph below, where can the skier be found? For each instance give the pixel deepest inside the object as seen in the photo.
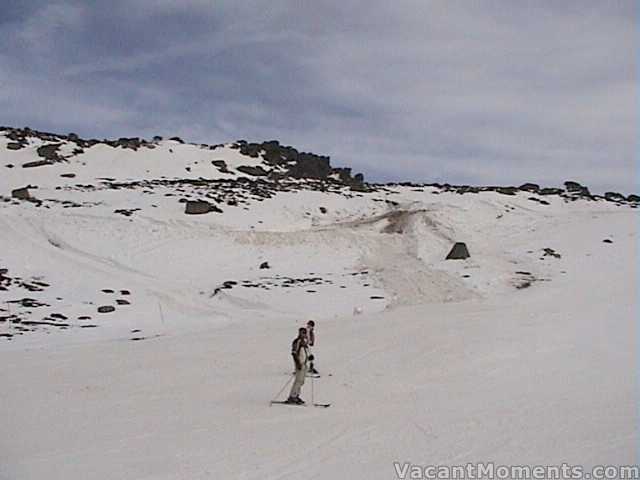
(300, 356)
(311, 336)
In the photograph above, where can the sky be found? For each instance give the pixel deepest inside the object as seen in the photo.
(458, 91)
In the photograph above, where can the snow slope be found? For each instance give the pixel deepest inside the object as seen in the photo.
(516, 355)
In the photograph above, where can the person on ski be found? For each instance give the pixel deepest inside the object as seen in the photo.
(311, 340)
(300, 356)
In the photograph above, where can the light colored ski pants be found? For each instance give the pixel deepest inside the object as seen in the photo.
(299, 381)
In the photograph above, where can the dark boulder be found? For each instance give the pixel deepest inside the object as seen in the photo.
(37, 163)
(550, 191)
(571, 186)
(15, 146)
(309, 165)
(221, 165)
(250, 149)
(633, 198)
(577, 189)
(200, 207)
(256, 171)
(541, 202)
(49, 152)
(507, 190)
(106, 309)
(132, 143)
(459, 252)
(614, 197)
(550, 252)
(21, 194)
(467, 189)
(273, 157)
(357, 187)
(530, 187)
(264, 265)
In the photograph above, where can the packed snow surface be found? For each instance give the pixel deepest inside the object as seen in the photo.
(524, 353)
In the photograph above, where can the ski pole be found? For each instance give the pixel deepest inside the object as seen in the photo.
(283, 387)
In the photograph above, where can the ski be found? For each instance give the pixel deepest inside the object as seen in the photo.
(282, 402)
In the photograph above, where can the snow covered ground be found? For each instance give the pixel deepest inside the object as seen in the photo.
(523, 353)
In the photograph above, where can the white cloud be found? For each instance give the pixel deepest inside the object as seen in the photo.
(40, 30)
(482, 92)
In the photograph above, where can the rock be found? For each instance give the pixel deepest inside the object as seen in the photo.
(21, 194)
(551, 253)
(68, 175)
(458, 252)
(200, 207)
(576, 188)
(177, 139)
(542, 202)
(106, 309)
(550, 191)
(322, 209)
(633, 198)
(530, 187)
(468, 189)
(571, 186)
(522, 284)
(36, 163)
(264, 265)
(607, 240)
(221, 165)
(132, 143)
(506, 190)
(251, 170)
(14, 146)
(309, 165)
(49, 152)
(359, 188)
(126, 212)
(614, 197)
(250, 149)
(121, 301)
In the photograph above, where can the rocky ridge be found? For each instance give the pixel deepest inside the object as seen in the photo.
(285, 168)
